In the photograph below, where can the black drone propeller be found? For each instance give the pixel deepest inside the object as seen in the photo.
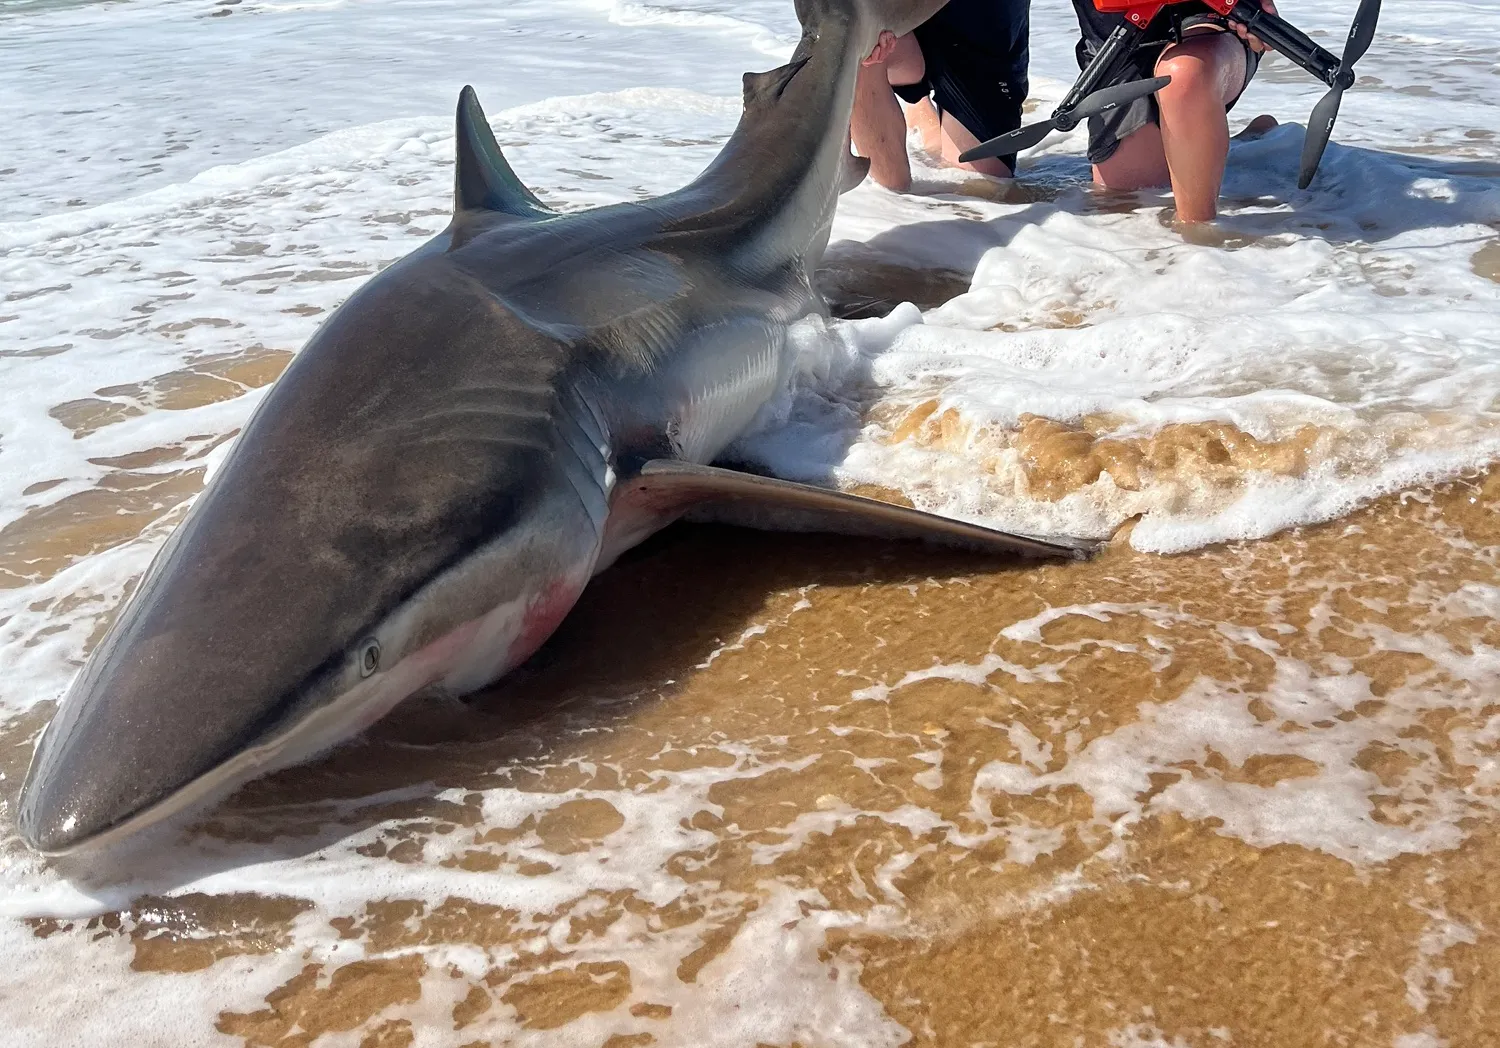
(1101, 101)
(1326, 112)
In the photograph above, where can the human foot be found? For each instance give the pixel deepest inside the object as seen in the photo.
(1257, 127)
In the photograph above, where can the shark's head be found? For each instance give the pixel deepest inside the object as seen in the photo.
(418, 501)
(406, 508)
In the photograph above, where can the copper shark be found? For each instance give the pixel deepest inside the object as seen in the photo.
(475, 433)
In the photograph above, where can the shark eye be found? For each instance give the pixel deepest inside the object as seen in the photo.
(369, 658)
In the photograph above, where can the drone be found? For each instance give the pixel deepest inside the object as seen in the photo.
(1083, 101)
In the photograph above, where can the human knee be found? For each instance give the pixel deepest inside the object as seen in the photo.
(906, 65)
(1210, 65)
(1192, 73)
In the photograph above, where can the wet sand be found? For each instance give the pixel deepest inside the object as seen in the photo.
(1242, 796)
(798, 790)
(1245, 795)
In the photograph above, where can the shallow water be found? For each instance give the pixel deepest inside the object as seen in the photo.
(792, 790)
(854, 791)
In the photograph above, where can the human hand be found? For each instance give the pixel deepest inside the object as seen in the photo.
(1256, 43)
(883, 48)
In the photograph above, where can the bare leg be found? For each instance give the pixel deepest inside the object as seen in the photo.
(879, 129)
(928, 122)
(945, 138)
(1190, 146)
(1207, 71)
(1138, 162)
(957, 139)
(878, 126)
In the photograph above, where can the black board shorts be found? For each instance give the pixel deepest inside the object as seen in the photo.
(976, 53)
(1108, 131)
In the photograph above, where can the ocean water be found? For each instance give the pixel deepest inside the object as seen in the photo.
(189, 187)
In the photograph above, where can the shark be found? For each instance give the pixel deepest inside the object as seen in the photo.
(477, 431)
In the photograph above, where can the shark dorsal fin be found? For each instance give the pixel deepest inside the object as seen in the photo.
(484, 180)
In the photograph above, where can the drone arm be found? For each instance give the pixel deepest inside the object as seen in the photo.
(1116, 49)
(1120, 43)
(1282, 36)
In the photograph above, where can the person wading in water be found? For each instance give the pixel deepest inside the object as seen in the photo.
(1180, 135)
(963, 73)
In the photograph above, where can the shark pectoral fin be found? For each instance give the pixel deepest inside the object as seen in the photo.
(483, 179)
(667, 488)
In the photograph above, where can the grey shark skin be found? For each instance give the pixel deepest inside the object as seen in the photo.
(422, 496)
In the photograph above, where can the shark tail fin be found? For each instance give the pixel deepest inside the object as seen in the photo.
(666, 488)
(483, 180)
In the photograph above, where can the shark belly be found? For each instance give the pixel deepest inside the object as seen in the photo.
(720, 378)
(483, 650)
(724, 375)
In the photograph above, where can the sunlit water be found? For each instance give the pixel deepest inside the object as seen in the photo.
(844, 794)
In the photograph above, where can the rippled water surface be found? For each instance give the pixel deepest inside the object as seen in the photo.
(1231, 783)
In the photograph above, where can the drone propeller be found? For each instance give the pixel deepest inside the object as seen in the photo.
(1326, 112)
(1101, 101)
(1011, 142)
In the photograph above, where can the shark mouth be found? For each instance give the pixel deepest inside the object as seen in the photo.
(466, 658)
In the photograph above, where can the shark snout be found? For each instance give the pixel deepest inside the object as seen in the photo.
(101, 766)
(179, 688)
(55, 821)
(84, 782)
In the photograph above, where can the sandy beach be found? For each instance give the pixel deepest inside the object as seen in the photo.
(1230, 783)
(1242, 796)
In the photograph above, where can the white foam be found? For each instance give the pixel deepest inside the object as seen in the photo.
(1143, 1035)
(1427, 980)
(1385, 342)
(52, 1013)
(1423, 1039)
(187, 185)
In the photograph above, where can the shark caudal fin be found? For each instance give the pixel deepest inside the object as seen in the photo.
(483, 179)
(667, 488)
